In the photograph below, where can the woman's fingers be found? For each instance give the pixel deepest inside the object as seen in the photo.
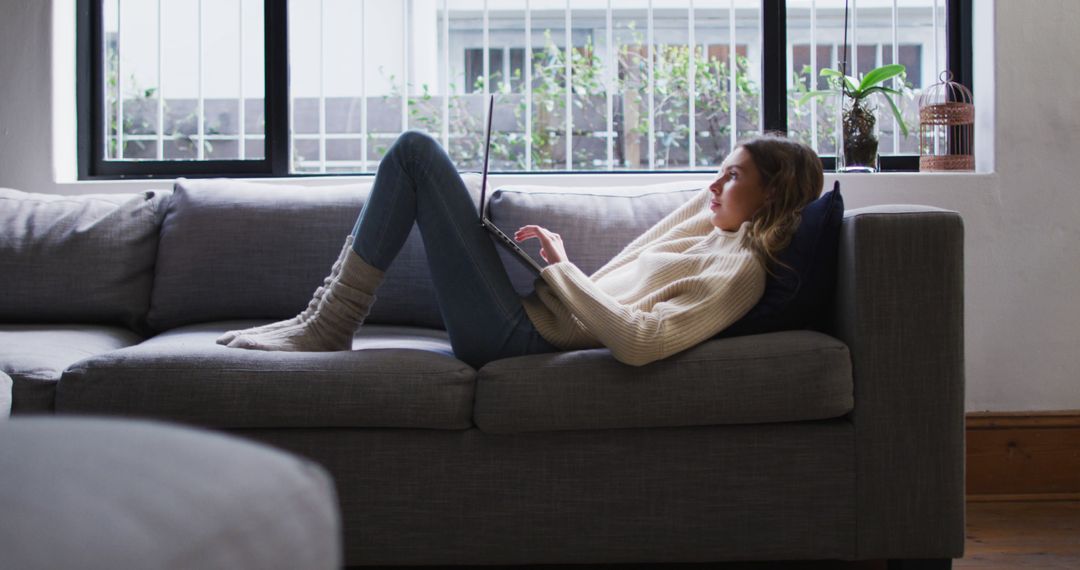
(536, 231)
(551, 249)
(527, 232)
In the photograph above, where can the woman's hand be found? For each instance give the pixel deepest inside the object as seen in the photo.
(551, 246)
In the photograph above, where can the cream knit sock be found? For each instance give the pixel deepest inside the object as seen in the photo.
(344, 305)
(306, 313)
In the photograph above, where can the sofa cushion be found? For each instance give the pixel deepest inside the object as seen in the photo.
(394, 377)
(595, 223)
(36, 355)
(78, 259)
(246, 250)
(799, 296)
(777, 377)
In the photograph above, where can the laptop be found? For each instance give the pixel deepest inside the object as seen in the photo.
(500, 237)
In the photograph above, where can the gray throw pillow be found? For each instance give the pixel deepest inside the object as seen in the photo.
(595, 223)
(246, 250)
(78, 259)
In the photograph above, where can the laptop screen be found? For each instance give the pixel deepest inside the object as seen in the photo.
(487, 151)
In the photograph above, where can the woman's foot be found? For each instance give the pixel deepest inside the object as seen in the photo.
(228, 337)
(344, 305)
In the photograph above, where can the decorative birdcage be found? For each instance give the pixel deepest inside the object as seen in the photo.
(946, 127)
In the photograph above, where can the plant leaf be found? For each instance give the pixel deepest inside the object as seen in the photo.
(895, 109)
(812, 94)
(884, 90)
(848, 80)
(880, 74)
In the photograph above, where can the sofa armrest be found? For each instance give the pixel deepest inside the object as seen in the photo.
(900, 309)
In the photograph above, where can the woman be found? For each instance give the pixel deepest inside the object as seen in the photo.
(684, 280)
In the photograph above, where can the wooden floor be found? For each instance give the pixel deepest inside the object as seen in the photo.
(1038, 534)
(1000, 536)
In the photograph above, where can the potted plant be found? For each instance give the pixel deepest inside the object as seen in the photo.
(860, 139)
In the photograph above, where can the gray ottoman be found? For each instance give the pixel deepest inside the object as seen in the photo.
(98, 493)
(5, 395)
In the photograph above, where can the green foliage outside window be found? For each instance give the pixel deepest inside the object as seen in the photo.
(671, 95)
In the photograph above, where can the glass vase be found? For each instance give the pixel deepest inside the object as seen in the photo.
(858, 148)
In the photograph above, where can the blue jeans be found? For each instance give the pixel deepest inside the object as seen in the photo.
(482, 312)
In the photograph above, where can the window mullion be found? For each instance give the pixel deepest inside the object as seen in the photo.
(651, 87)
(322, 86)
(160, 84)
(278, 100)
(959, 46)
(813, 76)
(732, 72)
(363, 88)
(774, 67)
(691, 79)
(406, 34)
(241, 128)
(895, 59)
(446, 74)
(610, 73)
(200, 151)
(120, 81)
(528, 86)
(569, 56)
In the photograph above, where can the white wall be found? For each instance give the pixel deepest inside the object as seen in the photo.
(1022, 261)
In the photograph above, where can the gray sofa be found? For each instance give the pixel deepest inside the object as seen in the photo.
(844, 443)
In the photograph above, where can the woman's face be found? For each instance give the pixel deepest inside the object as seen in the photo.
(737, 191)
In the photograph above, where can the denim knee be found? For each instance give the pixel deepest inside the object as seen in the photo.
(417, 142)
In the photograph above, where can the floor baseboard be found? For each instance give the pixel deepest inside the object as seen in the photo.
(1023, 456)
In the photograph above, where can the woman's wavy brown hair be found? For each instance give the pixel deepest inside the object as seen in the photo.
(792, 177)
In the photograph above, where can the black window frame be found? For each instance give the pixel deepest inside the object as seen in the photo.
(91, 120)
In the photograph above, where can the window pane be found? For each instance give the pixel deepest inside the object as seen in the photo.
(917, 41)
(714, 23)
(548, 90)
(588, 101)
(671, 89)
(630, 22)
(306, 84)
(815, 33)
(506, 39)
(747, 70)
(184, 81)
(427, 66)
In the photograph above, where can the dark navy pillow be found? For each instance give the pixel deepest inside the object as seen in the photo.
(800, 297)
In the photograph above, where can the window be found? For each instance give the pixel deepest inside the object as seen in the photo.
(283, 87)
(173, 88)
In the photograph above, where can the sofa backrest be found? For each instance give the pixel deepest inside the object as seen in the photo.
(246, 250)
(220, 249)
(78, 259)
(595, 223)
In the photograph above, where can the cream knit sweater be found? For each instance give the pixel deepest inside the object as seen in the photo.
(678, 284)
